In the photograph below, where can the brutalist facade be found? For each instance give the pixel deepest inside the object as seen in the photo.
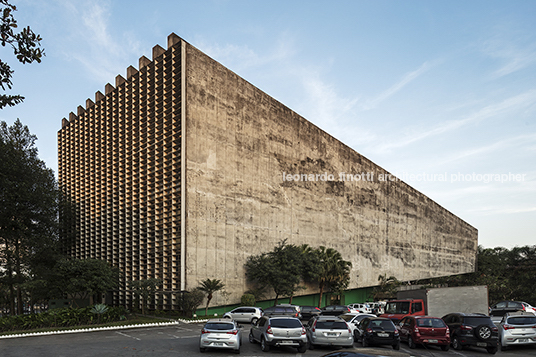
(183, 170)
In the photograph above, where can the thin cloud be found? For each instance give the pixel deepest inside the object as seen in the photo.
(408, 78)
(515, 53)
(510, 104)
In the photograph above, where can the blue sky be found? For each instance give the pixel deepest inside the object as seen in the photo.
(432, 91)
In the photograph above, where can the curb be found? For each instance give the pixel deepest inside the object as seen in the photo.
(61, 332)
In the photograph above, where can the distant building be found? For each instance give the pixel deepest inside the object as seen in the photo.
(183, 170)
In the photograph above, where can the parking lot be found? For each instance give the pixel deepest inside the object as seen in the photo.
(182, 340)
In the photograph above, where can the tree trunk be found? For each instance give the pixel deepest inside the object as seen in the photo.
(321, 286)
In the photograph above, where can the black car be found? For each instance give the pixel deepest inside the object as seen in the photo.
(377, 331)
(472, 330)
(335, 310)
(501, 308)
(308, 312)
(280, 311)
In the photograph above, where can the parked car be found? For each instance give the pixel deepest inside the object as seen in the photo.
(280, 311)
(279, 331)
(501, 308)
(329, 331)
(517, 328)
(247, 314)
(295, 307)
(335, 310)
(353, 319)
(220, 333)
(424, 330)
(472, 330)
(378, 331)
(308, 312)
(363, 308)
(378, 308)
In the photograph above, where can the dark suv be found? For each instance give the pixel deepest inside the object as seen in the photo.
(472, 330)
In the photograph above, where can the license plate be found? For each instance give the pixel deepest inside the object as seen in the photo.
(217, 344)
(286, 343)
(522, 339)
(380, 334)
(432, 341)
(481, 344)
(331, 334)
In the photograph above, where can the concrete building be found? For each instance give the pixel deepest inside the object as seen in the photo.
(183, 169)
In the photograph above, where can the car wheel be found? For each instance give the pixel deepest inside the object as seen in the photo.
(364, 341)
(237, 351)
(356, 337)
(251, 338)
(254, 320)
(492, 350)
(483, 332)
(310, 345)
(264, 346)
(202, 349)
(445, 347)
(302, 349)
(456, 343)
(396, 346)
(411, 343)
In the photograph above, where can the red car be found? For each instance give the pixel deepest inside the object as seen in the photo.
(424, 330)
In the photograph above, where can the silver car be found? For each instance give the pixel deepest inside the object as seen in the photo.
(517, 328)
(329, 331)
(247, 314)
(220, 333)
(279, 331)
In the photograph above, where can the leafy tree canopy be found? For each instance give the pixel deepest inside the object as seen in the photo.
(26, 48)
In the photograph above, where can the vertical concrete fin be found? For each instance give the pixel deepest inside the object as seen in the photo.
(80, 110)
(119, 80)
(108, 88)
(64, 123)
(157, 51)
(72, 116)
(131, 71)
(89, 103)
(144, 61)
(98, 96)
(172, 40)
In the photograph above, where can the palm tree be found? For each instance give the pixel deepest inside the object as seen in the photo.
(209, 287)
(334, 271)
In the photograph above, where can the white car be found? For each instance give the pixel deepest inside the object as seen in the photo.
(363, 308)
(517, 328)
(220, 333)
(249, 314)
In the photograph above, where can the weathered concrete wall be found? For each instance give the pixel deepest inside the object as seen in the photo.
(240, 141)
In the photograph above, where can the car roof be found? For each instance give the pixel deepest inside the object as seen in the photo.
(519, 313)
(324, 317)
(221, 320)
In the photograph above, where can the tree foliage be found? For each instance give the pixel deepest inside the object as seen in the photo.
(28, 209)
(334, 275)
(288, 266)
(209, 287)
(82, 278)
(26, 48)
(145, 289)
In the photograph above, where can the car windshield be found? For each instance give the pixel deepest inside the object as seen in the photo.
(522, 320)
(285, 323)
(219, 326)
(331, 325)
(437, 323)
(382, 325)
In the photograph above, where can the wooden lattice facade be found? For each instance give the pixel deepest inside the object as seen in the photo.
(120, 170)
